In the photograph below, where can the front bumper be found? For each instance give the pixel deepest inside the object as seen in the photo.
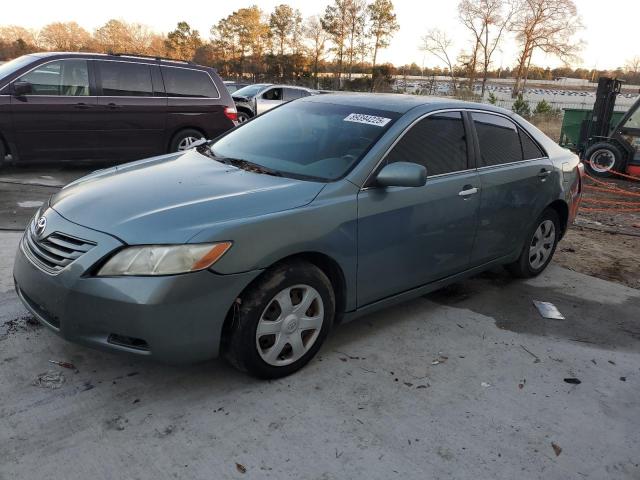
(173, 319)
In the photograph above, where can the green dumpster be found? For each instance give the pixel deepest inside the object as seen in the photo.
(571, 123)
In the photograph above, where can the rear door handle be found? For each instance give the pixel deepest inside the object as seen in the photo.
(81, 106)
(112, 106)
(468, 190)
(544, 173)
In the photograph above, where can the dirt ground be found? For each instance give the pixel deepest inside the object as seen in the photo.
(605, 240)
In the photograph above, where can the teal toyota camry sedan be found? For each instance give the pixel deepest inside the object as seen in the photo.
(254, 245)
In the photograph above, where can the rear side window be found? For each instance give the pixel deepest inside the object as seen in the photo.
(184, 82)
(530, 149)
(292, 94)
(438, 142)
(62, 77)
(499, 139)
(121, 79)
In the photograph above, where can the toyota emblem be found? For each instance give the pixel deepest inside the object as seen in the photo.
(40, 226)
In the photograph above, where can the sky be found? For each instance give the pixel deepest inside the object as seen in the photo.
(610, 33)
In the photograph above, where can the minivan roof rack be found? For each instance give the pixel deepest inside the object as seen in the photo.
(153, 57)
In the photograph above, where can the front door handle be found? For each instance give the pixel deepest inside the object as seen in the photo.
(468, 190)
(112, 106)
(81, 106)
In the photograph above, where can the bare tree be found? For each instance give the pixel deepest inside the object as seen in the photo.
(334, 21)
(317, 39)
(632, 65)
(64, 36)
(487, 20)
(548, 26)
(439, 44)
(383, 25)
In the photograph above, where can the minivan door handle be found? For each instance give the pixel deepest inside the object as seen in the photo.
(112, 106)
(468, 190)
(81, 106)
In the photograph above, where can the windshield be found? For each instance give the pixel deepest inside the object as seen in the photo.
(306, 139)
(8, 68)
(634, 120)
(250, 90)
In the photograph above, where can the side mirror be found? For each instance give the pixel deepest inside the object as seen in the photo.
(21, 88)
(402, 174)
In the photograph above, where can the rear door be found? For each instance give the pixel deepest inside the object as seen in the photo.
(133, 119)
(517, 181)
(411, 236)
(50, 122)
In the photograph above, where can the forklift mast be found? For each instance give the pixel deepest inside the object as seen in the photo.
(598, 122)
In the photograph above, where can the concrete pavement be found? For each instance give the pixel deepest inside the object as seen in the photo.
(466, 383)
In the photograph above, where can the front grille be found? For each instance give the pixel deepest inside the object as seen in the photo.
(55, 251)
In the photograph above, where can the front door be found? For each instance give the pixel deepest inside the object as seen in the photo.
(517, 181)
(49, 121)
(410, 236)
(269, 99)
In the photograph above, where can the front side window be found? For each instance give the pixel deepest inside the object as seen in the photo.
(498, 138)
(273, 94)
(438, 142)
(185, 82)
(305, 139)
(61, 77)
(121, 79)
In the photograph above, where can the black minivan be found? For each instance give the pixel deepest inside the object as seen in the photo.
(87, 106)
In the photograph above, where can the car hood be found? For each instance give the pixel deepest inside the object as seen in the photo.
(171, 198)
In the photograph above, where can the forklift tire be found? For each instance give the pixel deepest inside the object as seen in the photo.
(602, 158)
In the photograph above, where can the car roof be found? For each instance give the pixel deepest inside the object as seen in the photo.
(119, 56)
(399, 103)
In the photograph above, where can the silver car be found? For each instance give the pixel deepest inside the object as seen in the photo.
(261, 97)
(322, 210)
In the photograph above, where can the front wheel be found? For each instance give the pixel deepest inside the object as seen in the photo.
(243, 117)
(539, 248)
(282, 321)
(602, 158)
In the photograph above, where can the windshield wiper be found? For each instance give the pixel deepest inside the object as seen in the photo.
(249, 166)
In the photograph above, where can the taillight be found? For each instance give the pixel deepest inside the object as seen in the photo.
(231, 113)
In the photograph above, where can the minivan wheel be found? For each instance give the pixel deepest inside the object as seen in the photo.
(539, 248)
(184, 139)
(282, 321)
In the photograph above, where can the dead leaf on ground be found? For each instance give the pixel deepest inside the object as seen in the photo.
(556, 448)
(241, 468)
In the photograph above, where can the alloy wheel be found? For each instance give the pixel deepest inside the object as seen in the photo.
(186, 143)
(290, 325)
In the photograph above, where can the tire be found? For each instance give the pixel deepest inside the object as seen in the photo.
(538, 238)
(603, 157)
(181, 140)
(243, 117)
(264, 305)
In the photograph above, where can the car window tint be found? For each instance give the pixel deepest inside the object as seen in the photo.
(122, 79)
(273, 94)
(438, 142)
(184, 82)
(498, 138)
(63, 77)
(530, 149)
(291, 94)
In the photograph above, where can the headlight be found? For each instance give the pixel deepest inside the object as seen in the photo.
(164, 259)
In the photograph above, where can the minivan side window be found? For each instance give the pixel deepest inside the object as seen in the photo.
(186, 82)
(122, 79)
(438, 142)
(61, 77)
(530, 149)
(498, 138)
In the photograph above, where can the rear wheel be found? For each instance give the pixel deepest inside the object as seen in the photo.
(184, 139)
(539, 248)
(602, 158)
(282, 321)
